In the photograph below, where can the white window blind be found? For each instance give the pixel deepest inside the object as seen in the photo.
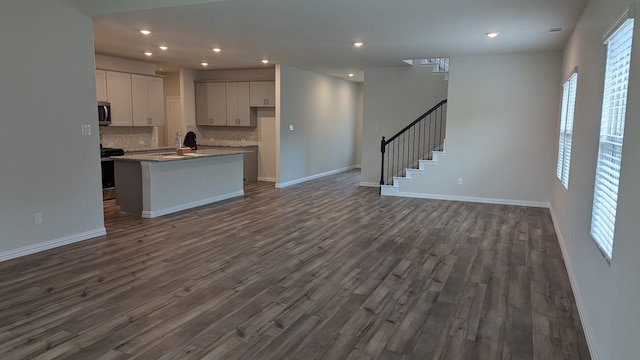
(566, 128)
(614, 104)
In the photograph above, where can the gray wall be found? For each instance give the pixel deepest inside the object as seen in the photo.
(47, 91)
(607, 294)
(501, 126)
(394, 96)
(323, 111)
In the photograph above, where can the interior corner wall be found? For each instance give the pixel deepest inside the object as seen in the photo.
(359, 120)
(47, 93)
(502, 118)
(607, 294)
(394, 96)
(323, 113)
(188, 93)
(171, 84)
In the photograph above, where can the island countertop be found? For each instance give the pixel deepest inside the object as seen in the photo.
(172, 156)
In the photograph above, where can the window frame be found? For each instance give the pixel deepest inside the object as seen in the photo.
(565, 135)
(611, 136)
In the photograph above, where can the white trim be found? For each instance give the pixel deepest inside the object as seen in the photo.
(173, 209)
(582, 311)
(268, 179)
(313, 177)
(369, 184)
(65, 240)
(473, 199)
(629, 13)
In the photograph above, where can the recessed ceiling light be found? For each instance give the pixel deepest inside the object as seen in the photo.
(350, 74)
(145, 32)
(491, 34)
(204, 63)
(148, 53)
(265, 61)
(162, 47)
(216, 49)
(358, 44)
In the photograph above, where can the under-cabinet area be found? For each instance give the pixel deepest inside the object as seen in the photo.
(232, 103)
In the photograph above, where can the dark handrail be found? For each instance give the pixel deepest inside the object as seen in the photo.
(418, 139)
(417, 121)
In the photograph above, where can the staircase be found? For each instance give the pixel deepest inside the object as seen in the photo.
(412, 149)
(395, 188)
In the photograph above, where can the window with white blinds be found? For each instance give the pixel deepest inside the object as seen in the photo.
(614, 104)
(566, 128)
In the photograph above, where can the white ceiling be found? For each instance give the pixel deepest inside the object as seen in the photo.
(318, 35)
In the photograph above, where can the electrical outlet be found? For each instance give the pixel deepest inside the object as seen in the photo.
(86, 130)
(459, 181)
(141, 142)
(110, 143)
(37, 218)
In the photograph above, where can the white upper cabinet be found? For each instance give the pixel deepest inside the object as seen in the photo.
(119, 95)
(101, 85)
(224, 104)
(263, 93)
(147, 100)
(211, 104)
(238, 109)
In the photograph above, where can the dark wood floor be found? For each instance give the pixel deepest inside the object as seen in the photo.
(320, 270)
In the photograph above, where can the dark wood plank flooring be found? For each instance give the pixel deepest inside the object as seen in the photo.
(320, 270)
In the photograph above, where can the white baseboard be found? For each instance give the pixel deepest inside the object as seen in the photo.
(170, 210)
(586, 324)
(313, 177)
(475, 199)
(268, 179)
(369, 184)
(65, 240)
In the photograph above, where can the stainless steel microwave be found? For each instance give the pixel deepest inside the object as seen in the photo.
(104, 113)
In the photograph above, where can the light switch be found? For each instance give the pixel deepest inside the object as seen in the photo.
(290, 127)
(86, 130)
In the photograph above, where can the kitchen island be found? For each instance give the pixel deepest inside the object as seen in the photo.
(154, 185)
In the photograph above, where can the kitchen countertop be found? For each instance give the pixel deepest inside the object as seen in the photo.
(174, 157)
(226, 144)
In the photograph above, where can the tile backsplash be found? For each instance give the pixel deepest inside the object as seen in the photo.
(218, 134)
(129, 137)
